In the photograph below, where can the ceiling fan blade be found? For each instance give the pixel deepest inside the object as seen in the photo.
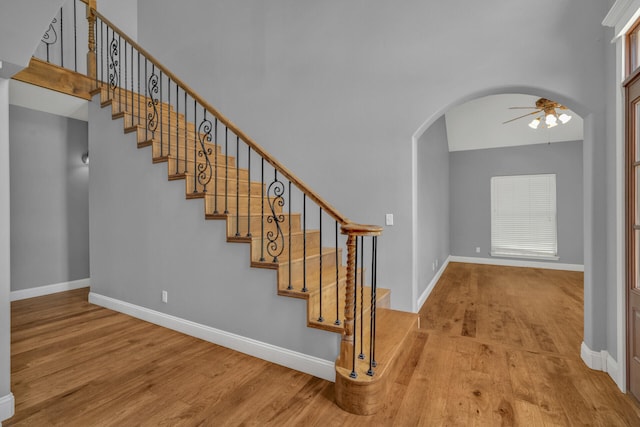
(523, 108)
(524, 115)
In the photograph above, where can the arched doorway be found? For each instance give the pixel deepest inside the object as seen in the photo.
(594, 269)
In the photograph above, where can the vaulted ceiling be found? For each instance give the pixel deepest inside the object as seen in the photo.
(478, 124)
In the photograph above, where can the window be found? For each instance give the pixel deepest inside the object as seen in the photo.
(523, 216)
(633, 49)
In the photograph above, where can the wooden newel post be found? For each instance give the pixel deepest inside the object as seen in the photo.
(351, 283)
(352, 231)
(91, 54)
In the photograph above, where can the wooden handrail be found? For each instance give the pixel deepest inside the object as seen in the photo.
(353, 229)
(328, 208)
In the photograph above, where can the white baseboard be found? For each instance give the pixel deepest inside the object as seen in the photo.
(49, 289)
(291, 359)
(432, 284)
(7, 406)
(602, 361)
(518, 263)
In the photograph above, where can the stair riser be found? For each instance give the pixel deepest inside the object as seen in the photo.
(230, 204)
(297, 242)
(231, 174)
(167, 148)
(146, 135)
(256, 223)
(312, 272)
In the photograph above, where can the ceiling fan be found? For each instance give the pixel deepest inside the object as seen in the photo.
(548, 114)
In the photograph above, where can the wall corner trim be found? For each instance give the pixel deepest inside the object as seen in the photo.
(281, 356)
(49, 289)
(602, 361)
(518, 263)
(7, 407)
(432, 284)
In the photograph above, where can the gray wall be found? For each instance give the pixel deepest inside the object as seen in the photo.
(5, 250)
(345, 85)
(123, 13)
(49, 199)
(433, 202)
(145, 238)
(471, 172)
(22, 24)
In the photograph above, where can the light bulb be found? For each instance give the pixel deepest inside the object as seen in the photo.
(551, 120)
(564, 118)
(534, 123)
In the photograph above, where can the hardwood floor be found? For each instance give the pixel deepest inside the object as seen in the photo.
(499, 346)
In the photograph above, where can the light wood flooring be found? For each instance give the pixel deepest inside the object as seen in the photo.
(499, 346)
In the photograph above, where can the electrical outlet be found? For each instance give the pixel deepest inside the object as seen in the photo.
(477, 249)
(388, 219)
(165, 297)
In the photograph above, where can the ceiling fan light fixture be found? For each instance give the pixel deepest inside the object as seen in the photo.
(564, 118)
(551, 120)
(534, 123)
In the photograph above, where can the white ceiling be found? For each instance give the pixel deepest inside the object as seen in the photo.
(479, 124)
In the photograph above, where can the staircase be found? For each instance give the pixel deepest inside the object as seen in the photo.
(288, 227)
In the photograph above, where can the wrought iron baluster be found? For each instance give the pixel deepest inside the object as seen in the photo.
(226, 170)
(237, 186)
(275, 238)
(304, 242)
(119, 85)
(61, 41)
(133, 112)
(139, 92)
(169, 117)
(337, 322)
(215, 175)
(50, 37)
(177, 160)
(372, 315)
(152, 115)
(160, 119)
(126, 99)
(320, 319)
(353, 373)
(195, 155)
(204, 137)
(186, 144)
(75, 39)
(102, 65)
(289, 245)
(249, 191)
(146, 100)
(361, 355)
(262, 213)
(375, 299)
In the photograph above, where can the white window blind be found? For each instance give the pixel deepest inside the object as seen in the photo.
(523, 216)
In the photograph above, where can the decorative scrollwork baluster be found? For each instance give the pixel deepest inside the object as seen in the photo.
(114, 53)
(275, 239)
(152, 116)
(204, 136)
(50, 36)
